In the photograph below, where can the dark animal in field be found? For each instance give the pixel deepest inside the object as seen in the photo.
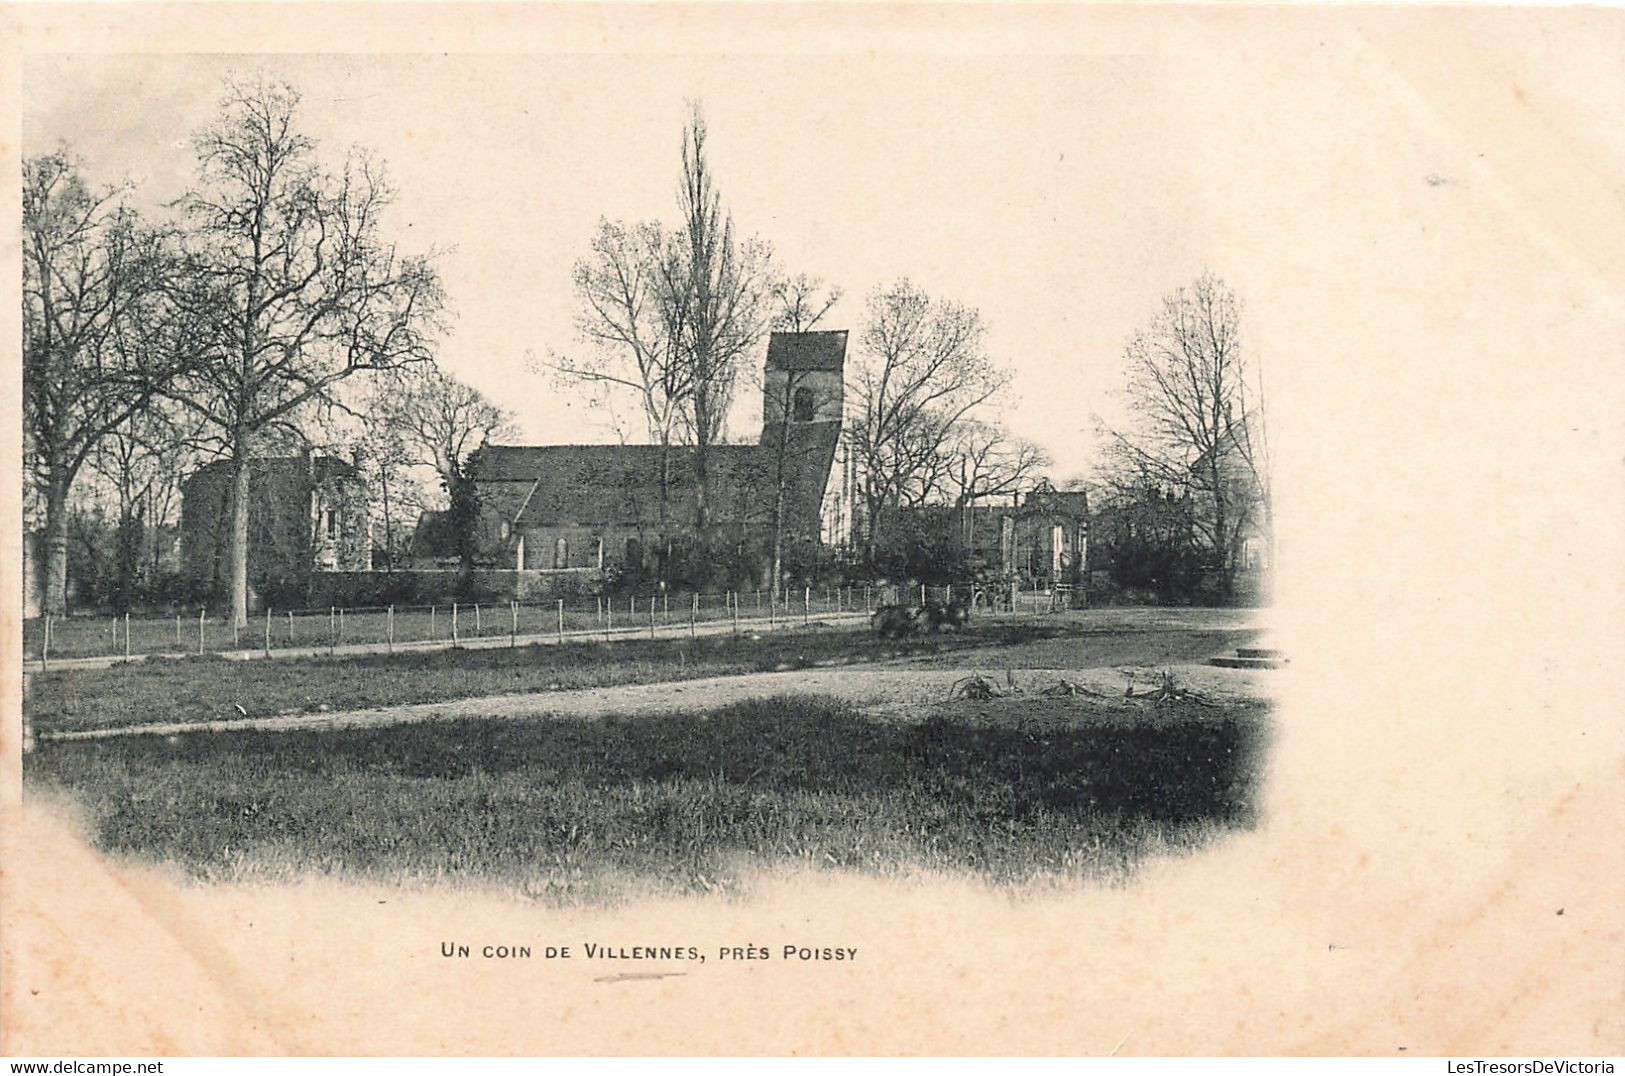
(895, 621)
(937, 617)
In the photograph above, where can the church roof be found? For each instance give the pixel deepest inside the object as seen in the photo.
(621, 484)
(822, 350)
(320, 468)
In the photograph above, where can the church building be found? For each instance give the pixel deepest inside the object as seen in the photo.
(594, 508)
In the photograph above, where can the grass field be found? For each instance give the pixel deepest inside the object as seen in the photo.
(597, 811)
(210, 687)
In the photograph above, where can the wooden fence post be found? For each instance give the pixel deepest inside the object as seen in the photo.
(609, 619)
(290, 627)
(561, 621)
(332, 629)
(513, 623)
(432, 632)
(177, 630)
(476, 618)
(391, 629)
(45, 642)
(806, 606)
(694, 615)
(453, 623)
(200, 614)
(126, 634)
(267, 631)
(651, 616)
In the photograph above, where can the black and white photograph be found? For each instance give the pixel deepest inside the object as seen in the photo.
(768, 530)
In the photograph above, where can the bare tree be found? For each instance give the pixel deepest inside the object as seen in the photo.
(142, 461)
(800, 302)
(393, 475)
(440, 419)
(635, 335)
(985, 460)
(315, 292)
(111, 317)
(1190, 429)
(635, 339)
(922, 372)
(670, 314)
(715, 290)
(1248, 431)
(423, 418)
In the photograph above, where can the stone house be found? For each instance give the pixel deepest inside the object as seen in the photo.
(1048, 535)
(306, 514)
(591, 509)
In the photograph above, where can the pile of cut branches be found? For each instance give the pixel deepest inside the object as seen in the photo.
(1166, 693)
(979, 687)
(1066, 689)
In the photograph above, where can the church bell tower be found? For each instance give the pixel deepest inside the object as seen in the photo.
(803, 381)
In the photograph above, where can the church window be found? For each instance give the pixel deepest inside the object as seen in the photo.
(561, 553)
(802, 405)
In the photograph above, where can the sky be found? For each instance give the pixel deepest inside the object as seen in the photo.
(1357, 184)
(1029, 191)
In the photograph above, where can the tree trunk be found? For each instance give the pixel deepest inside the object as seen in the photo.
(702, 509)
(1224, 541)
(871, 524)
(665, 479)
(238, 558)
(779, 465)
(56, 549)
(389, 529)
(127, 556)
(778, 532)
(702, 451)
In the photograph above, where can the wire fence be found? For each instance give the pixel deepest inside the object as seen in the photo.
(338, 629)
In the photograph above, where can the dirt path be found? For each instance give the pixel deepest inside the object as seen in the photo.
(904, 688)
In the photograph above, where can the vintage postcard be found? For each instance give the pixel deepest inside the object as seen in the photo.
(769, 529)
